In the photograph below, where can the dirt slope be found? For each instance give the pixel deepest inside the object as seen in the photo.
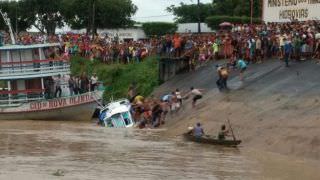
(275, 109)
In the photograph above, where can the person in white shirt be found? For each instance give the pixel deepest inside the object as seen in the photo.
(197, 94)
(179, 97)
(93, 82)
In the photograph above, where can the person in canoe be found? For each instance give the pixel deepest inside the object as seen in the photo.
(223, 133)
(196, 131)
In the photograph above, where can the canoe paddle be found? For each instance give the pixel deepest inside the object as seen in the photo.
(234, 137)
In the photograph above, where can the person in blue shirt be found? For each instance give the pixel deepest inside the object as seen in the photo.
(198, 131)
(241, 64)
(288, 49)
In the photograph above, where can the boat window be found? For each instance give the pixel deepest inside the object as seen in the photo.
(117, 121)
(27, 55)
(35, 54)
(1, 58)
(15, 56)
(126, 118)
(3, 84)
(3, 87)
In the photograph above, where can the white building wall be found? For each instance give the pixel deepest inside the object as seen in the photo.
(130, 33)
(193, 28)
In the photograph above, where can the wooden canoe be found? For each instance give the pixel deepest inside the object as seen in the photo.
(211, 140)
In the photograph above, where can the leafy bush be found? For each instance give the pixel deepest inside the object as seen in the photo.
(159, 28)
(117, 77)
(214, 21)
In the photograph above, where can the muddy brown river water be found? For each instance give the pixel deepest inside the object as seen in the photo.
(40, 150)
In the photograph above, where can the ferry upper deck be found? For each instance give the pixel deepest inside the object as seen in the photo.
(32, 61)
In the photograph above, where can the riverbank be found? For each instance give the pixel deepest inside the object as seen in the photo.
(275, 109)
(118, 77)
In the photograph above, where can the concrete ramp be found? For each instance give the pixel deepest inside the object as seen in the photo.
(205, 77)
(275, 108)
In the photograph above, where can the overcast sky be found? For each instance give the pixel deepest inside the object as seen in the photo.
(155, 10)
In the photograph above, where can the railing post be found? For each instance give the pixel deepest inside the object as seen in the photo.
(42, 86)
(9, 89)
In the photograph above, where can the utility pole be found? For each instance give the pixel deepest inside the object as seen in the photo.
(199, 17)
(93, 18)
(251, 11)
(17, 6)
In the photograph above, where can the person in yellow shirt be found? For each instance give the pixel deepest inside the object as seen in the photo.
(215, 48)
(138, 99)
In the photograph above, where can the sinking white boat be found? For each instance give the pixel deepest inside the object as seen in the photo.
(117, 114)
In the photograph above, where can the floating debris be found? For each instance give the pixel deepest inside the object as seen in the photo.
(59, 172)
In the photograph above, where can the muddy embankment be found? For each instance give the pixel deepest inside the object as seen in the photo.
(275, 109)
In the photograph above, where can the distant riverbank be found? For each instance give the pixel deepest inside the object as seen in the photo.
(118, 77)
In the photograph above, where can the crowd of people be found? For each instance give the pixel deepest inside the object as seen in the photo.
(101, 47)
(152, 112)
(76, 85)
(254, 43)
(241, 45)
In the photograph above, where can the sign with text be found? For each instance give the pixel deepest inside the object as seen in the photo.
(62, 102)
(288, 10)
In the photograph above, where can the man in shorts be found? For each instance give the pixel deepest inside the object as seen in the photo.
(197, 94)
(223, 78)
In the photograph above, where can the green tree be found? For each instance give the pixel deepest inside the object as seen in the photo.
(105, 13)
(159, 28)
(45, 13)
(214, 21)
(185, 13)
(15, 12)
(189, 13)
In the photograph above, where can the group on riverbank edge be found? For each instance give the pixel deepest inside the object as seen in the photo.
(152, 112)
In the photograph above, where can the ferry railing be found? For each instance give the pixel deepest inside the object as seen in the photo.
(12, 98)
(7, 70)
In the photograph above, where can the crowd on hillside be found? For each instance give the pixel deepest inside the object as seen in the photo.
(253, 42)
(241, 44)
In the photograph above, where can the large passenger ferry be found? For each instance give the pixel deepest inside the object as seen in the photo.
(27, 76)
